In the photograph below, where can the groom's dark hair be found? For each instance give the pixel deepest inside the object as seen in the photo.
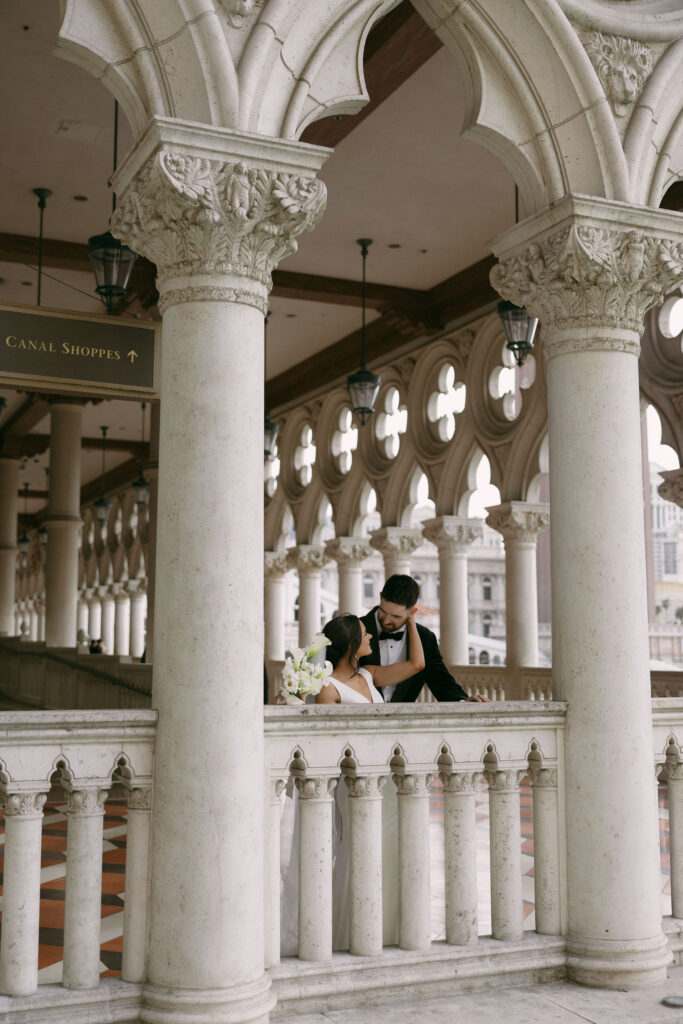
(401, 590)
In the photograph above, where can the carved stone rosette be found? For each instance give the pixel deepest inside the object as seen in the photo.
(307, 558)
(223, 224)
(348, 552)
(396, 540)
(24, 805)
(519, 522)
(275, 564)
(451, 534)
(599, 267)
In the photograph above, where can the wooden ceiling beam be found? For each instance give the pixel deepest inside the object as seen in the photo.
(29, 414)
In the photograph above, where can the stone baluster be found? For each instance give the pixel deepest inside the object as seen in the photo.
(506, 853)
(308, 560)
(108, 599)
(453, 536)
(151, 471)
(275, 568)
(365, 862)
(94, 614)
(83, 897)
(349, 553)
(520, 523)
(33, 618)
(9, 483)
(590, 269)
(274, 790)
(40, 608)
(414, 904)
(396, 544)
(83, 613)
(21, 893)
(674, 776)
(63, 522)
(137, 883)
(460, 840)
(546, 850)
(121, 620)
(138, 610)
(315, 866)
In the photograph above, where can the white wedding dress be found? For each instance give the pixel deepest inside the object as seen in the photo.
(289, 863)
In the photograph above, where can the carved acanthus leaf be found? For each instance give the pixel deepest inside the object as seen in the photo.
(672, 487)
(413, 785)
(275, 564)
(348, 551)
(307, 557)
(25, 805)
(451, 535)
(459, 782)
(86, 803)
(519, 522)
(588, 276)
(622, 65)
(395, 540)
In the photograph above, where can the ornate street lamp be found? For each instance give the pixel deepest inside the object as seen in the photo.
(363, 385)
(141, 485)
(518, 326)
(112, 262)
(24, 542)
(102, 506)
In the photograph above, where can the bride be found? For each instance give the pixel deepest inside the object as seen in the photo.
(351, 684)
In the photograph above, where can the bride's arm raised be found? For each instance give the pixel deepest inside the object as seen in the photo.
(390, 675)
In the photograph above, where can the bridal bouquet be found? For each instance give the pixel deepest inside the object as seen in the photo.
(301, 675)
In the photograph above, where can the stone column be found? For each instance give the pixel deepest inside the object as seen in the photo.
(274, 789)
(546, 850)
(349, 553)
(138, 610)
(94, 614)
(520, 523)
(21, 893)
(275, 567)
(315, 867)
(308, 560)
(590, 269)
(214, 210)
(83, 897)
(9, 484)
(108, 618)
(506, 853)
(674, 780)
(453, 536)
(151, 471)
(40, 608)
(365, 863)
(414, 902)
(122, 621)
(33, 618)
(137, 884)
(460, 837)
(63, 522)
(396, 544)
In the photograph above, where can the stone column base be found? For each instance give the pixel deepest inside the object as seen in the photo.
(243, 1004)
(622, 965)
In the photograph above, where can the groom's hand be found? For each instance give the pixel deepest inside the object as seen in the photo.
(477, 697)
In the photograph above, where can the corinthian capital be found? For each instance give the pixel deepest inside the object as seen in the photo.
(519, 521)
(215, 210)
(591, 263)
(672, 488)
(348, 552)
(396, 540)
(307, 557)
(452, 534)
(275, 564)
(25, 805)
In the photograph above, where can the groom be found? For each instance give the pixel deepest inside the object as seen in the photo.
(386, 625)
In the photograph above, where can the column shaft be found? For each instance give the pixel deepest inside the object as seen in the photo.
(9, 483)
(138, 608)
(122, 623)
(83, 897)
(315, 868)
(521, 604)
(414, 905)
(63, 524)
(365, 865)
(274, 788)
(506, 852)
(152, 473)
(274, 605)
(21, 894)
(108, 620)
(309, 605)
(137, 885)
(94, 616)
(461, 858)
(546, 852)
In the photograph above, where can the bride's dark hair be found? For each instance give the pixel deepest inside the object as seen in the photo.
(345, 635)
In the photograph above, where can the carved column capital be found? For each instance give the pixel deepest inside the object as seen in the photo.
(543, 778)
(459, 782)
(413, 785)
(368, 787)
(140, 798)
(348, 552)
(215, 210)
(672, 488)
(321, 787)
(593, 264)
(24, 805)
(86, 803)
(275, 564)
(504, 780)
(452, 534)
(396, 540)
(307, 558)
(519, 521)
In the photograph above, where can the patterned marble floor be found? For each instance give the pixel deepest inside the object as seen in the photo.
(53, 871)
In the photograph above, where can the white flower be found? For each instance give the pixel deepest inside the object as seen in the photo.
(301, 675)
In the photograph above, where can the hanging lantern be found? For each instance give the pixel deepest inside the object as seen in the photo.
(24, 544)
(519, 328)
(141, 491)
(363, 385)
(42, 536)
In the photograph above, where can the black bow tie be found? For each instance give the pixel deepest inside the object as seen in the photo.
(391, 636)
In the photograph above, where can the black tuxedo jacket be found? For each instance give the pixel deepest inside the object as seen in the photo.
(435, 674)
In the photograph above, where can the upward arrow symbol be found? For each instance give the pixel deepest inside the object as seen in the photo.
(132, 355)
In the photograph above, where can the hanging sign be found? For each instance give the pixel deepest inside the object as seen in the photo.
(71, 352)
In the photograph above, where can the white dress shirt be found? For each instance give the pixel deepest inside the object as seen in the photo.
(390, 652)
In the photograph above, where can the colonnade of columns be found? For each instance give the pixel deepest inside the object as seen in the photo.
(117, 613)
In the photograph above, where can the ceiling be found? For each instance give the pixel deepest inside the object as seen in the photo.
(400, 175)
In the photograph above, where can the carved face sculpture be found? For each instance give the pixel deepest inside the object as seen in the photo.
(238, 11)
(622, 86)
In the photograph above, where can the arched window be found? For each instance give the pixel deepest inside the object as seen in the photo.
(483, 657)
(471, 656)
(368, 587)
(496, 659)
(488, 592)
(486, 625)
